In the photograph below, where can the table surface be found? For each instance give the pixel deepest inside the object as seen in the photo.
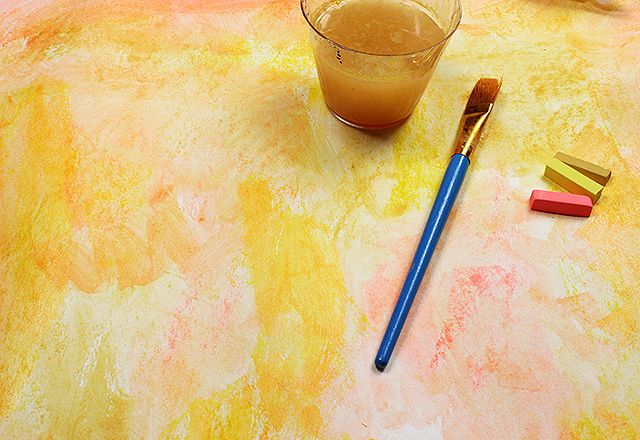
(191, 246)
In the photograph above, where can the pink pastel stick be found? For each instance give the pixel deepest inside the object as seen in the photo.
(560, 203)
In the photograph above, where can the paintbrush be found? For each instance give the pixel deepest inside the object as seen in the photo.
(475, 115)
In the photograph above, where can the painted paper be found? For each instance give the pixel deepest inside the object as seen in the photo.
(191, 246)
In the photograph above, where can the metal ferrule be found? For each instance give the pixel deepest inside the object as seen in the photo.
(470, 128)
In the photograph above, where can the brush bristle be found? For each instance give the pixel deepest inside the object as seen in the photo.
(484, 92)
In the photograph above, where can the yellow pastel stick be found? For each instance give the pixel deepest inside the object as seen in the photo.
(592, 171)
(572, 180)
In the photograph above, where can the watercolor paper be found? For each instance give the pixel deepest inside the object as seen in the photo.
(191, 246)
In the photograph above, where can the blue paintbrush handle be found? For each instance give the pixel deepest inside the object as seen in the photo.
(442, 205)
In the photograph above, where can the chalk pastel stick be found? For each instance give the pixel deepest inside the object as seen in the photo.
(592, 171)
(560, 203)
(572, 180)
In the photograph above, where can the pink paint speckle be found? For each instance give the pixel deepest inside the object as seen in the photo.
(471, 284)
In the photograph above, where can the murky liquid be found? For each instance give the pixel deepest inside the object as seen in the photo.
(370, 88)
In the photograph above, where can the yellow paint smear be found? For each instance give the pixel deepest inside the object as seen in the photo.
(300, 304)
(38, 155)
(89, 403)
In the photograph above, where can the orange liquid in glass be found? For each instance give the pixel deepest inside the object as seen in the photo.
(380, 89)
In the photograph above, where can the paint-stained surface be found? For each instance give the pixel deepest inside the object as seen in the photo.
(191, 246)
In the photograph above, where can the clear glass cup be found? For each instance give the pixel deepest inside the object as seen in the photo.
(372, 91)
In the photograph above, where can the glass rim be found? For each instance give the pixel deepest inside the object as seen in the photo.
(458, 11)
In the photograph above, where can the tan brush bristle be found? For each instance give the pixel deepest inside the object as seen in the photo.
(484, 92)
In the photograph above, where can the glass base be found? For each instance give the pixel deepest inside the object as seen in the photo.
(369, 127)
